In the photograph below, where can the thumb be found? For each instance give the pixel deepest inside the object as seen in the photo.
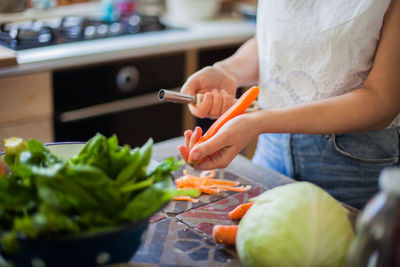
(209, 147)
(191, 86)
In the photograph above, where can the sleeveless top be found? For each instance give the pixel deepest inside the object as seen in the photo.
(311, 49)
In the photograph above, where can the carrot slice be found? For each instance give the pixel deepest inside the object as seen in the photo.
(235, 110)
(238, 212)
(225, 234)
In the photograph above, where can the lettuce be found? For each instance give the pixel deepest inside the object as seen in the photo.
(297, 224)
(105, 185)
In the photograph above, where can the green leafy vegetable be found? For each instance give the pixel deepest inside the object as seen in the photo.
(105, 185)
(297, 224)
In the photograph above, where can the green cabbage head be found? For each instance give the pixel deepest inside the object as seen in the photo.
(297, 224)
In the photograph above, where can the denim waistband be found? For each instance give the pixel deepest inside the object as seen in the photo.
(346, 165)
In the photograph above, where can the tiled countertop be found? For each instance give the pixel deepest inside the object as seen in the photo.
(180, 235)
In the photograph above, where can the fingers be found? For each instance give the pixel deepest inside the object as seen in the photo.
(191, 138)
(214, 84)
(184, 152)
(191, 86)
(195, 137)
(227, 101)
(214, 104)
(187, 134)
(217, 160)
(216, 152)
(203, 109)
(217, 101)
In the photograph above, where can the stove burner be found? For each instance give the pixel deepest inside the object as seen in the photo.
(22, 37)
(72, 29)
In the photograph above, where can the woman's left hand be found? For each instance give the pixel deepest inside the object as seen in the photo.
(221, 149)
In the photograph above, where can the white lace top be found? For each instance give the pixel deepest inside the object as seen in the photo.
(315, 49)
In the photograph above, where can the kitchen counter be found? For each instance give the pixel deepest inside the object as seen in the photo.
(180, 235)
(179, 37)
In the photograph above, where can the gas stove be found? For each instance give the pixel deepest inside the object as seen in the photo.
(38, 33)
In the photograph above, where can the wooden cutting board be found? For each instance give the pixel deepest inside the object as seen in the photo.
(8, 57)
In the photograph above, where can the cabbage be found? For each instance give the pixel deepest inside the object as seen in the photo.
(297, 224)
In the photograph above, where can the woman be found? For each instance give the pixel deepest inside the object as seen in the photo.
(329, 75)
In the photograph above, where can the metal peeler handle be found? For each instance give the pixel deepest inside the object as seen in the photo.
(176, 97)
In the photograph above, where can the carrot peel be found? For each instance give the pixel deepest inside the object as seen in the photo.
(246, 99)
(207, 184)
(185, 198)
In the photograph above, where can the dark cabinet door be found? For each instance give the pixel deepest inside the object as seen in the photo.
(119, 98)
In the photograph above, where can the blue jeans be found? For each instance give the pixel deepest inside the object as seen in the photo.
(347, 166)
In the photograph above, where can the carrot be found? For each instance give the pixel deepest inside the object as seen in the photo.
(221, 182)
(185, 198)
(236, 109)
(225, 234)
(193, 181)
(238, 212)
(207, 185)
(233, 188)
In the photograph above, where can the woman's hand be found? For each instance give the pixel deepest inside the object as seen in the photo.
(218, 89)
(219, 82)
(221, 149)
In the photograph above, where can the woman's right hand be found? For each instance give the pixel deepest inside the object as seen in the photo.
(218, 89)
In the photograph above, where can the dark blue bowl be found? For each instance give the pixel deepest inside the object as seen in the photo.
(114, 246)
(109, 247)
(117, 245)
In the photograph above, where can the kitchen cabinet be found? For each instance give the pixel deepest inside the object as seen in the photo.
(26, 106)
(27, 90)
(119, 97)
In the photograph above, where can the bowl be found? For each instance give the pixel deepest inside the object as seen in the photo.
(193, 9)
(116, 245)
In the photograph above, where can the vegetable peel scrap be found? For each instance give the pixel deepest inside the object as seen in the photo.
(207, 184)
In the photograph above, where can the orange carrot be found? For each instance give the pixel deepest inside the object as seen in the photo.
(207, 185)
(193, 181)
(185, 198)
(221, 182)
(238, 212)
(225, 234)
(209, 190)
(236, 109)
(233, 188)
